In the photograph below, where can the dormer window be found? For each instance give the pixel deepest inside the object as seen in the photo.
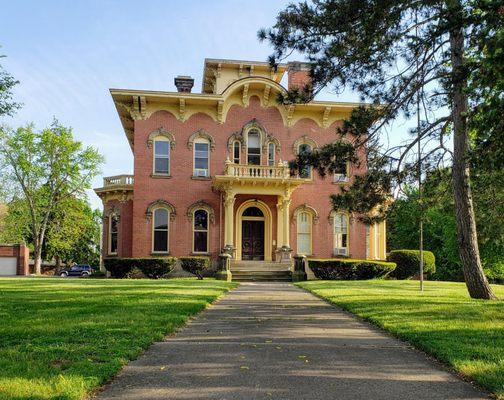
(254, 147)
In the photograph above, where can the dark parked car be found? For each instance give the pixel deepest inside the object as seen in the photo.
(76, 270)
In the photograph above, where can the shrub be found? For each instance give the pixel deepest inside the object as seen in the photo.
(350, 269)
(153, 268)
(98, 274)
(118, 267)
(195, 265)
(408, 262)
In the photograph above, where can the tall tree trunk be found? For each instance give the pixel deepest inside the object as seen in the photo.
(37, 257)
(476, 281)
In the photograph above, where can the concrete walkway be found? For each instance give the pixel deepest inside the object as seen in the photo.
(275, 341)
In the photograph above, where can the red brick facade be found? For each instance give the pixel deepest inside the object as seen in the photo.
(181, 189)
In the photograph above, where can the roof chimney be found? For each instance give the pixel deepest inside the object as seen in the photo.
(298, 75)
(184, 83)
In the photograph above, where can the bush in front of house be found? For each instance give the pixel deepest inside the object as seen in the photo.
(153, 268)
(195, 265)
(408, 263)
(350, 269)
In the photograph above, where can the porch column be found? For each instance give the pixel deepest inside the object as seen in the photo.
(279, 239)
(285, 219)
(229, 199)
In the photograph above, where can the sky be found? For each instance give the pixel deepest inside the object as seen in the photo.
(68, 54)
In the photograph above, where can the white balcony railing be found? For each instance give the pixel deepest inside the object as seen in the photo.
(257, 171)
(118, 180)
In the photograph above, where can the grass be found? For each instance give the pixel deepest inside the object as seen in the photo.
(466, 334)
(61, 339)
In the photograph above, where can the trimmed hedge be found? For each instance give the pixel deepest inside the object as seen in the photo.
(195, 265)
(350, 269)
(153, 268)
(408, 263)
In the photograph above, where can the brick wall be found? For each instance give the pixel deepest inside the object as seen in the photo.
(21, 252)
(181, 190)
(298, 75)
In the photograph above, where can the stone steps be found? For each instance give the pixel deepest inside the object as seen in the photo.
(260, 271)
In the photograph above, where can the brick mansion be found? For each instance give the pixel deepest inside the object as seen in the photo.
(211, 174)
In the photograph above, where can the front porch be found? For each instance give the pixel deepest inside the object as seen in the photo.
(256, 201)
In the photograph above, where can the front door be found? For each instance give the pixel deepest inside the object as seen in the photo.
(252, 240)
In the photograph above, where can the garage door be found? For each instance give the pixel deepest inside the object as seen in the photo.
(8, 266)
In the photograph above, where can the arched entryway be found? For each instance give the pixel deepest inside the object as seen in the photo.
(253, 231)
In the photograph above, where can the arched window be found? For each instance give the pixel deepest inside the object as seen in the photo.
(340, 226)
(161, 156)
(271, 154)
(254, 147)
(304, 232)
(306, 171)
(200, 231)
(160, 229)
(253, 212)
(113, 234)
(201, 157)
(236, 152)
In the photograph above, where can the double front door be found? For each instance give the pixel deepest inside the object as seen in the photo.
(252, 240)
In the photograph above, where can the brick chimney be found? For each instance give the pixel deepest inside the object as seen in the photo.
(298, 75)
(184, 83)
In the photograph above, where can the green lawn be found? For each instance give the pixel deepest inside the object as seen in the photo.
(60, 339)
(464, 333)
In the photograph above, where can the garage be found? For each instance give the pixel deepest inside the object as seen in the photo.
(8, 266)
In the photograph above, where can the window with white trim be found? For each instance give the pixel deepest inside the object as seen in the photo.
(200, 231)
(201, 158)
(341, 174)
(236, 152)
(160, 227)
(340, 226)
(271, 154)
(304, 233)
(161, 156)
(113, 233)
(254, 147)
(306, 171)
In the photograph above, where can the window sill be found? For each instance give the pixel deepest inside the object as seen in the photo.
(340, 183)
(160, 253)
(201, 178)
(200, 254)
(160, 176)
(111, 255)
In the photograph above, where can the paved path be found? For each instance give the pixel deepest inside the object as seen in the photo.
(275, 341)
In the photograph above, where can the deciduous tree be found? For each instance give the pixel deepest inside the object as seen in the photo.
(47, 167)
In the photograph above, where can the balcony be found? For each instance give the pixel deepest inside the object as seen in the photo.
(258, 179)
(118, 180)
(116, 187)
(257, 171)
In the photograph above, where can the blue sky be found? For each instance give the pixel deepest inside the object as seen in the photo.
(67, 54)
